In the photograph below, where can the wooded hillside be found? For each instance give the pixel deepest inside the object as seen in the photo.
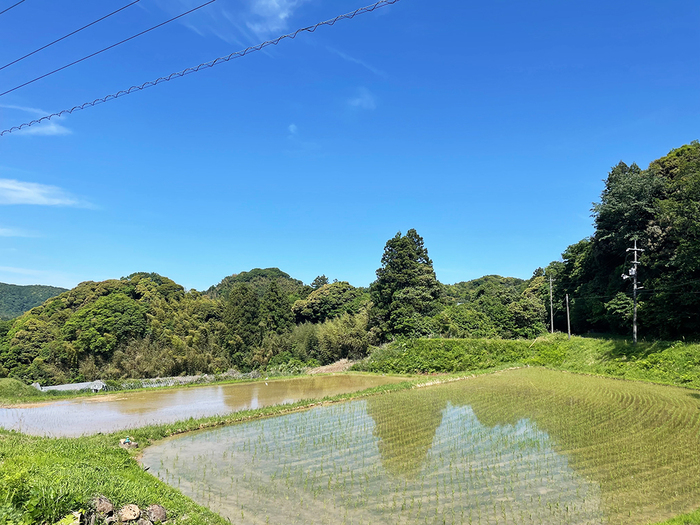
(16, 299)
(660, 208)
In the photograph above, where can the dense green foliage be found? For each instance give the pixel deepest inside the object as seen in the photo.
(660, 208)
(146, 325)
(243, 323)
(16, 299)
(470, 291)
(494, 306)
(143, 325)
(328, 301)
(406, 293)
(259, 280)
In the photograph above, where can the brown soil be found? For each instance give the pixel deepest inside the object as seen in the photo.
(339, 366)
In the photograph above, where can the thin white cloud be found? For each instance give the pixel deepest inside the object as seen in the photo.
(246, 23)
(364, 100)
(24, 276)
(16, 232)
(357, 61)
(47, 128)
(20, 271)
(297, 142)
(35, 111)
(17, 192)
(271, 16)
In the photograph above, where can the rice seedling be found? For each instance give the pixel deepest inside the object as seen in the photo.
(524, 446)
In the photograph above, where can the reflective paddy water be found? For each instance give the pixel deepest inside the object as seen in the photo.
(525, 446)
(344, 471)
(108, 413)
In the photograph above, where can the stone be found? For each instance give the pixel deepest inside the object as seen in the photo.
(103, 506)
(92, 519)
(156, 513)
(143, 521)
(129, 513)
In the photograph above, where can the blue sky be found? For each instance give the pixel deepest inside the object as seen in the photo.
(486, 126)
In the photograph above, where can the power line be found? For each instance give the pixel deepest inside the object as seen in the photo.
(645, 292)
(69, 34)
(205, 65)
(107, 48)
(15, 5)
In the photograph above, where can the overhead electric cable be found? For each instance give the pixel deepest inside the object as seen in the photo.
(14, 5)
(204, 65)
(107, 48)
(69, 34)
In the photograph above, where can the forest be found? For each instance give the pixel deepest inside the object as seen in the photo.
(16, 299)
(146, 325)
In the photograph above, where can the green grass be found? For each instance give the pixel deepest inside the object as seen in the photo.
(43, 479)
(672, 363)
(14, 391)
(685, 519)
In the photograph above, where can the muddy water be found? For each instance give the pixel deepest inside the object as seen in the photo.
(109, 413)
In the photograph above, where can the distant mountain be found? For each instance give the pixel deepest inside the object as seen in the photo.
(16, 299)
(259, 279)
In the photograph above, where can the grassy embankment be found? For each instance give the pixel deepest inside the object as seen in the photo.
(41, 479)
(672, 363)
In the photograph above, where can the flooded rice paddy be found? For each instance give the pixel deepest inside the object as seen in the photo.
(527, 446)
(108, 413)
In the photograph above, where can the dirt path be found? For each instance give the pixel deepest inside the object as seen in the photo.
(339, 366)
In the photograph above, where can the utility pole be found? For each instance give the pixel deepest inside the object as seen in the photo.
(633, 275)
(568, 318)
(551, 307)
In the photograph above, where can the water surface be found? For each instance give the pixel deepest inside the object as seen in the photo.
(335, 465)
(528, 446)
(91, 415)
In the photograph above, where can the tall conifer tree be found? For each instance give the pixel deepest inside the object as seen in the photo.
(406, 291)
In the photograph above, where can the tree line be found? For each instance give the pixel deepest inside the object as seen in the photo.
(659, 207)
(146, 325)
